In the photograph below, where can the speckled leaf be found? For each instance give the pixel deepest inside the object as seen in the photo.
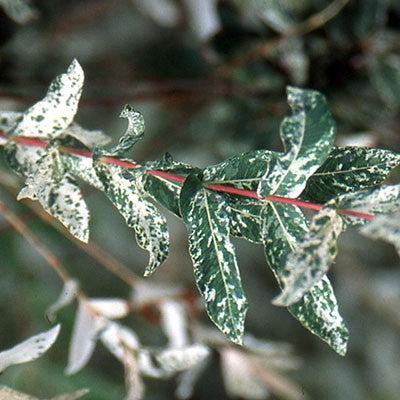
(242, 171)
(20, 11)
(128, 197)
(385, 227)
(312, 257)
(133, 133)
(8, 120)
(51, 116)
(349, 169)
(162, 190)
(58, 194)
(307, 137)
(284, 227)
(375, 201)
(22, 159)
(206, 215)
(246, 218)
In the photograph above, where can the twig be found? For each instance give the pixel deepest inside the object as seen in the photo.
(181, 179)
(40, 247)
(92, 249)
(312, 23)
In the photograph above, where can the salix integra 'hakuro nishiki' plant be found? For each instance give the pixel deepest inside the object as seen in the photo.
(258, 196)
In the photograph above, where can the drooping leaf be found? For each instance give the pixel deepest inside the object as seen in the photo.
(206, 215)
(58, 193)
(349, 169)
(284, 228)
(112, 308)
(312, 257)
(173, 322)
(130, 200)
(30, 349)
(88, 137)
(307, 136)
(187, 380)
(87, 325)
(49, 117)
(66, 297)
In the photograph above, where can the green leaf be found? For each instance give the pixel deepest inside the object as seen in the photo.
(284, 228)
(246, 218)
(243, 171)
(163, 190)
(57, 192)
(206, 215)
(128, 197)
(307, 137)
(349, 169)
(51, 116)
(312, 257)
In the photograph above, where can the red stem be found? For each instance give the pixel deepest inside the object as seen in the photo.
(180, 179)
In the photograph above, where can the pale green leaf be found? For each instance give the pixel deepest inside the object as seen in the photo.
(349, 169)
(311, 258)
(284, 228)
(307, 137)
(51, 116)
(206, 215)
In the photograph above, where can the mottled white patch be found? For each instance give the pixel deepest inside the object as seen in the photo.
(49, 117)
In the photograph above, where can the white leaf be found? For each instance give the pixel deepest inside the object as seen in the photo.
(175, 360)
(187, 380)
(51, 116)
(8, 119)
(20, 11)
(30, 349)
(204, 17)
(118, 338)
(112, 308)
(239, 377)
(163, 12)
(87, 326)
(66, 297)
(173, 322)
(145, 293)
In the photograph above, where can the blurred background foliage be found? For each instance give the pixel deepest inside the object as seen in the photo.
(209, 77)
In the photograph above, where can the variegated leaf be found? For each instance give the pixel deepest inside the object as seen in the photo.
(165, 191)
(51, 116)
(284, 228)
(88, 137)
(243, 171)
(349, 169)
(385, 227)
(206, 215)
(30, 349)
(20, 11)
(312, 257)
(133, 133)
(307, 136)
(149, 225)
(8, 120)
(58, 194)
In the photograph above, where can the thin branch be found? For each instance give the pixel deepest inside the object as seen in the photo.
(181, 179)
(312, 23)
(51, 259)
(92, 249)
